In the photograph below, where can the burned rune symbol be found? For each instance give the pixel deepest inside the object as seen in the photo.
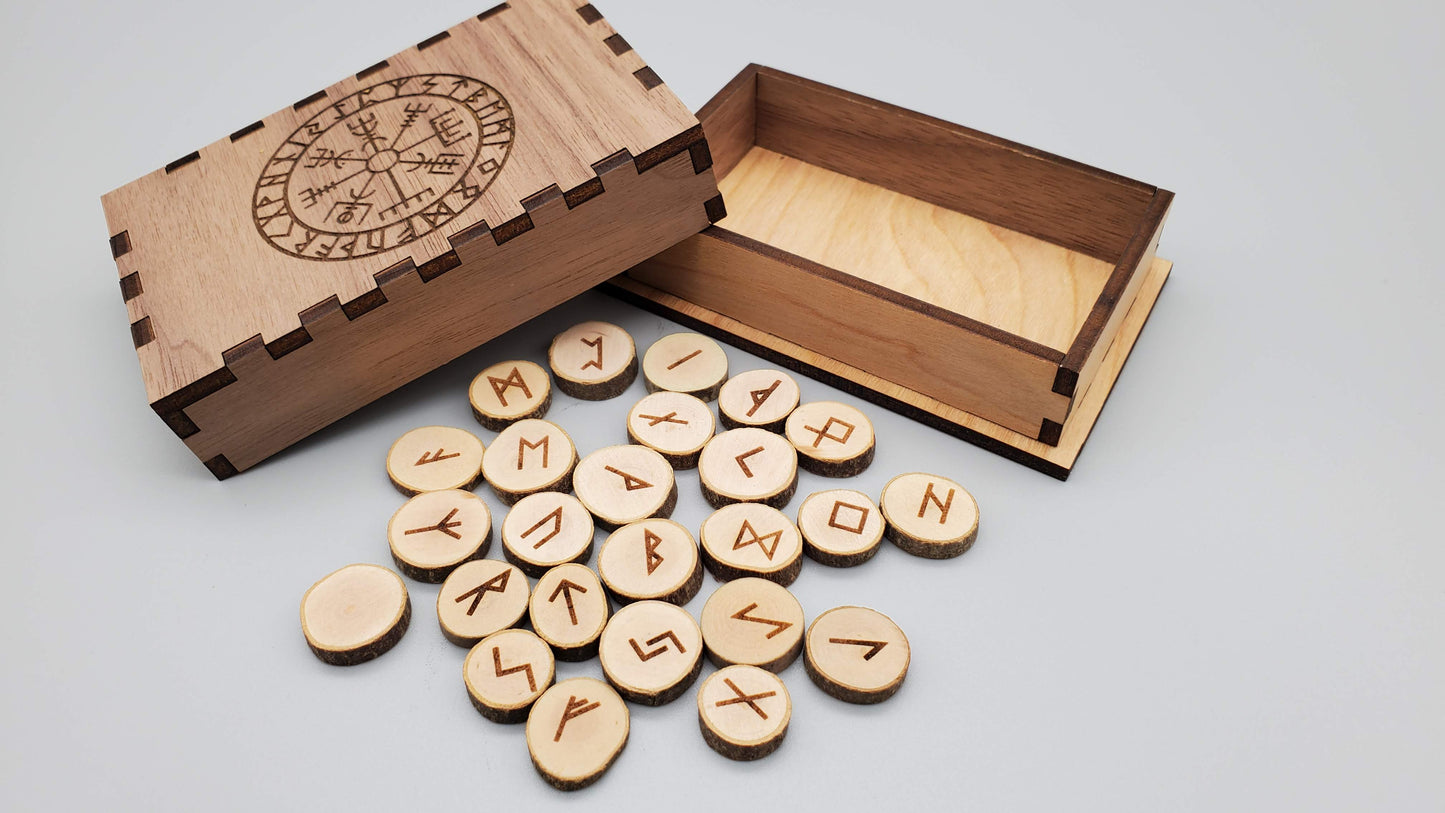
(761, 396)
(631, 482)
(575, 708)
(525, 668)
(760, 541)
(496, 584)
(743, 697)
(943, 505)
(417, 149)
(523, 445)
(650, 541)
(513, 379)
(564, 589)
(445, 526)
(874, 647)
(654, 420)
(827, 431)
(743, 457)
(555, 518)
(779, 626)
(435, 457)
(597, 362)
(862, 517)
(647, 656)
(689, 356)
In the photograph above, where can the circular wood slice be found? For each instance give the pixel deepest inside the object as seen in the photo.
(755, 622)
(749, 539)
(434, 458)
(355, 614)
(672, 424)
(841, 527)
(593, 361)
(651, 652)
(529, 456)
(569, 610)
(622, 484)
(832, 439)
(748, 465)
(506, 673)
(760, 398)
(437, 530)
(479, 598)
(929, 516)
(744, 712)
(576, 731)
(508, 392)
(547, 529)
(857, 654)
(686, 362)
(651, 559)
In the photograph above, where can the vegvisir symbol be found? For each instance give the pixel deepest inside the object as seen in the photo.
(382, 167)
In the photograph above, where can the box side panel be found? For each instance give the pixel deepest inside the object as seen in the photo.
(354, 358)
(730, 120)
(1026, 190)
(777, 293)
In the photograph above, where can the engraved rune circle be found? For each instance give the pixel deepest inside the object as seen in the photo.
(383, 167)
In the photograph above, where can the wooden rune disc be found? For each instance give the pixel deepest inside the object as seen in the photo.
(547, 529)
(748, 465)
(651, 559)
(651, 652)
(857, 654)
(761, 398)
(437, 530)
(686, 362)
(752, 621)
(479, 598)
(569, 610)
(749, 539)
(576, 731)
(506, 673)
(622, 484)
(593, 361)
(841, 527)
(529, 456)
(355, 614)
(744, 712)
(929, 516)
(509, 391)
(672, 424)
(832, 439)
(434, 458)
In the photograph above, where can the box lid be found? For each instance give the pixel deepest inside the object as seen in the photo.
(457, 141)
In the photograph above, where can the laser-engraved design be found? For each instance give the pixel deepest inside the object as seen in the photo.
(761, 396)
(575, 708)
(525, 668)
(650, 542)
(597, 343)
(874, 647)
(564, 589)
(671, 417)
(687, 357)
(435, 457)
(445, 526)
(862, 517)
(943, 505)
(760, 541)
(382, 167)
(629, 481)
(555, 518)
(743, 697)
(647, 656)
(523, 445)
(742, 615)
(742, 461)
(496, 584)
(513, 379)
(827, 431)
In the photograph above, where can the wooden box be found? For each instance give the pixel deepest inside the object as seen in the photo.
(313, 261)
(977, 285)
